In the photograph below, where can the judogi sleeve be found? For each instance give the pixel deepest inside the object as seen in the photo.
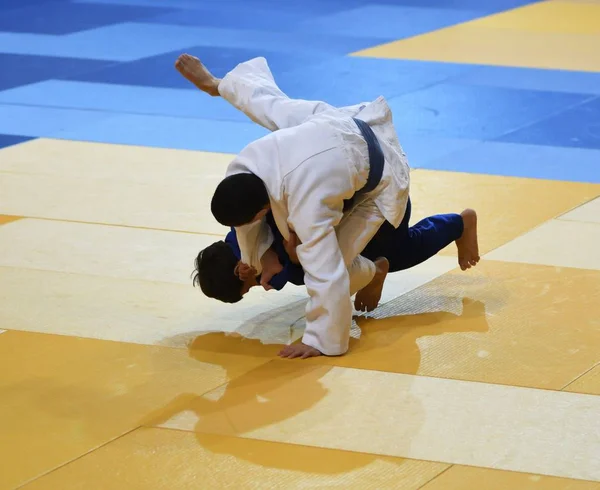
(250, 87)
(231, 240)
(254, 239)
(250, 243)
(291, 272)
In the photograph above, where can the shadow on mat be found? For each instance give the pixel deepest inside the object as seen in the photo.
(272, 401)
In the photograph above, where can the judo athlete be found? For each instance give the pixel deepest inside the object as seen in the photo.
(332, 176)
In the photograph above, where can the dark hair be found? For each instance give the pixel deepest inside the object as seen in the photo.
(238, 199)
(215, 266)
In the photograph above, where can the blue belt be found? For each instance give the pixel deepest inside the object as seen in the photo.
(376, 162)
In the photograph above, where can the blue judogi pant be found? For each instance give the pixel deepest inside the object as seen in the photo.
(405, 246)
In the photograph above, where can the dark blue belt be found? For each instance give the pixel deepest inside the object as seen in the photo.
(376, 162)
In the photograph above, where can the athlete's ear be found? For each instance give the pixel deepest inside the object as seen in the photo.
(261, 214)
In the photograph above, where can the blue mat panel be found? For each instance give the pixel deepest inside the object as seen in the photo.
(578, 127)
(517, 160)
(7, 140)
(20, 70)
(532, 79)
(44, 121)
(159, 71)
(387, 22)
(348, 80)
(66, 18)
(188, 103)
(168, 132)
(475, 112)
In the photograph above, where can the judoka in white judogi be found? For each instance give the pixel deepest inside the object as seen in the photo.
(314, 160)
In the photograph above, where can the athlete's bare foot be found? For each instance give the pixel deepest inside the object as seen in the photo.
(193, 70)
(468, 247)
(368, 297)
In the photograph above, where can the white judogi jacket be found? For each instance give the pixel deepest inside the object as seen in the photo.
(316, 158)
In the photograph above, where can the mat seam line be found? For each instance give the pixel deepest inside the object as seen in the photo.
(122, 113)
(450, 466)
(116, 225)
(544, 118)
(269, 441)
(76, 459)
(579, 377)
(539, 225)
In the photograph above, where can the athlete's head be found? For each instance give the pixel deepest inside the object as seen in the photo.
(240, 199)
(215, 274)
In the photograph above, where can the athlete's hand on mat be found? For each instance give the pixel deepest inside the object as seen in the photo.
(271, 266)
(244, 271)
(290, 247)
(302, 351)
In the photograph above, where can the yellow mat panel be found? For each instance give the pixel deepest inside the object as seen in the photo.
(554, 17)
(86, 159)
(553, 244)
(515, 324)
(64, 396)
(165, 459)
(144, 312)
(417, 417)
(127, 253)
(542, 35)
(593, 2)
(112, 184)
(465, 478)
(507, 206)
